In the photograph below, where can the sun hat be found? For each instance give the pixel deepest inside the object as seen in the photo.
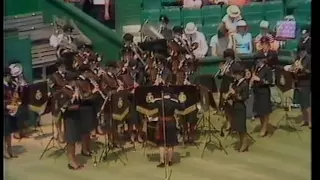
(233, 11)
(190, 28)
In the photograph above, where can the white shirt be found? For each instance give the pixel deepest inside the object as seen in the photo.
(231, 25)
(243, 43)
(216, 46)
(55, 40)
(199, 38)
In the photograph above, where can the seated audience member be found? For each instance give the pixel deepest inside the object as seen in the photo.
(208, 2)
(196, 39)
(265, 31)
(243, 38)
(231, 18)
(220, 42)
(192, 3)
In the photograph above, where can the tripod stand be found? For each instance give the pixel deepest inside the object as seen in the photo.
(108, 146)
(285, 117)
(52, 144)
(210, 136)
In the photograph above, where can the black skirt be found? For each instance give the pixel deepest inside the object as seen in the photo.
(191, 118)
(304, 97)
(239, 117)
(10, 125)
(170, 133)
(262, 101)
(134, 118)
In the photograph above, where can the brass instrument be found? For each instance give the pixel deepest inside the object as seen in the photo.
(227, 96)
(15, 101)
(225, 68)
(253, 74)
(297, 65)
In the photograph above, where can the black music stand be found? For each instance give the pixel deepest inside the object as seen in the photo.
(208, 85)
(109, 147)
(284, 81)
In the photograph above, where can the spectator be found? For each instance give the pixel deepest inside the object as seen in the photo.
(243, 38)
(220, 42)
(196, 37)
(265, 31)
(192, 3)
(231, 18)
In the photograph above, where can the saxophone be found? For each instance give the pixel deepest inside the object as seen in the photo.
(15, 101)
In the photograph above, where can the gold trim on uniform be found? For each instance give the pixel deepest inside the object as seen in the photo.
(187, 110)
(147, 112)
(120, 117)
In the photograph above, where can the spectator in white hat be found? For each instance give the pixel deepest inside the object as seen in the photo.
(243, 38)
(231, 18)
(196, 37)
(265, 31)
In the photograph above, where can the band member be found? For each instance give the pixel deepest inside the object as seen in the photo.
(56, 82)
(197, 40)
(10, 121)
(302, 72)
(166, 128)
(261, 80)
(164, 74)
(19, 83)
(249, 101)
(272, 59)
(164, 27)
(76, 130)
(239, 93)
(306, 39)
(225, 75)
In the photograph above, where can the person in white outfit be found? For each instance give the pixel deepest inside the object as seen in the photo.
(196, 37)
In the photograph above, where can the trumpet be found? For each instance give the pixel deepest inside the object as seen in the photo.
(227, 96)
(225, 68)
(297, 65)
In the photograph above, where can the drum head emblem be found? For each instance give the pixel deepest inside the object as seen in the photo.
(38, 95)
(120, 102)
(282, 80)
(182, 97)
(149, 98)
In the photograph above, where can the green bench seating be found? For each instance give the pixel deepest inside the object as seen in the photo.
(191, 15)
(211, 14)
(173, 14)
(253, 12)
(303, 12)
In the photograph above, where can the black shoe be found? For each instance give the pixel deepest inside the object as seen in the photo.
(75, 168)
(170, 163)
(12, 156)
(86, 154)
(161, 165)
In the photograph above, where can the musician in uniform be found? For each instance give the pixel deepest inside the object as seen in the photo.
(127, 40)
(19, 83)
(261, 81)
(166, 132)
(164, 29)
(272, 59)
(302, 74)
(56, 82)
(239, 93)
(226, 79)
(76, 117)
(306, 39)
(165, 75)
(10, 122)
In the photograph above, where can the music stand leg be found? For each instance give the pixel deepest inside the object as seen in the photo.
(291, 125)
(52, 143)
(210, 135)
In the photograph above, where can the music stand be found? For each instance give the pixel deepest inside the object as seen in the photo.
(108, 147)
(208, 84)
(284, 81)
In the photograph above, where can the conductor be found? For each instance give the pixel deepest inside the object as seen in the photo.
(166, 132)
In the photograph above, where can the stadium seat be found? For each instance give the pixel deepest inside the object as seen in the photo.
(173, 13)
(168, 2)
(191, 15)
(273, 10)
(291, 44)
(254, 11)
(211, 14)
(209, 30)
(303, 12)
(151, 15)
(151, 4)
(254, 27)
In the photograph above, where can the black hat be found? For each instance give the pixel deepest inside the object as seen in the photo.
(177, 29)
(163, 18)
(229, 53)
(237, 68)
(127, 37)
(7, 71)
(265, 39)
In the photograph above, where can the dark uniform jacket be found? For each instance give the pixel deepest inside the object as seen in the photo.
(170, 105)
(265, 74)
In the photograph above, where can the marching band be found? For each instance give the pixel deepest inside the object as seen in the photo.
(82, 93)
